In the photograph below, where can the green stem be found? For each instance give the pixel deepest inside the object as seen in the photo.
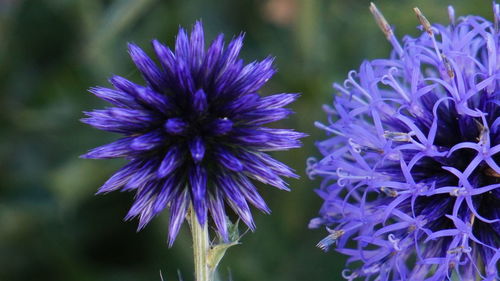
(201, 246)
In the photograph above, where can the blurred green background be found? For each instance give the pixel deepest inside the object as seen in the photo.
(52, 227)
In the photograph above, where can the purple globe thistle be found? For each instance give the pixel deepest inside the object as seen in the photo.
(410, 174)
(193, 134)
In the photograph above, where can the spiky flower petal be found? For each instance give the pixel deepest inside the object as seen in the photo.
(193, 134)
(411, 175)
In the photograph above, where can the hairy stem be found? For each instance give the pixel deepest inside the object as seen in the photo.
(201, 246)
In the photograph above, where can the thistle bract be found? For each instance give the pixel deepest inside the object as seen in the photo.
(193, 133)
(410, 172)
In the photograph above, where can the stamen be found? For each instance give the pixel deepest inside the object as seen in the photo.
(459, 249)
(389, 192)
(484, 134)
(428, 28)
(330, 239)
(448, 67)
(381, 21)
(423, 21)
(397, 136)
(492, 173)
(418, 223)
(386, 28)
(412, 227)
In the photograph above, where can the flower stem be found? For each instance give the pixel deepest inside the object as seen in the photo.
(201, 246)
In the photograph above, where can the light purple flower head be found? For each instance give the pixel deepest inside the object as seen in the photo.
(410, 173)
(193, 134)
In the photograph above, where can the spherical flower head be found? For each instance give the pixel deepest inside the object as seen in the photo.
(410, 173)
(193, 134)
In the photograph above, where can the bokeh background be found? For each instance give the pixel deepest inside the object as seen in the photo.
(52, 227)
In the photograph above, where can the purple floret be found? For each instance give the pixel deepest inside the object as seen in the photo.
(410, 171)
(193, 134)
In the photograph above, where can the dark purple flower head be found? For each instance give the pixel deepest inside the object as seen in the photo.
(193, 134)
(410, 174)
